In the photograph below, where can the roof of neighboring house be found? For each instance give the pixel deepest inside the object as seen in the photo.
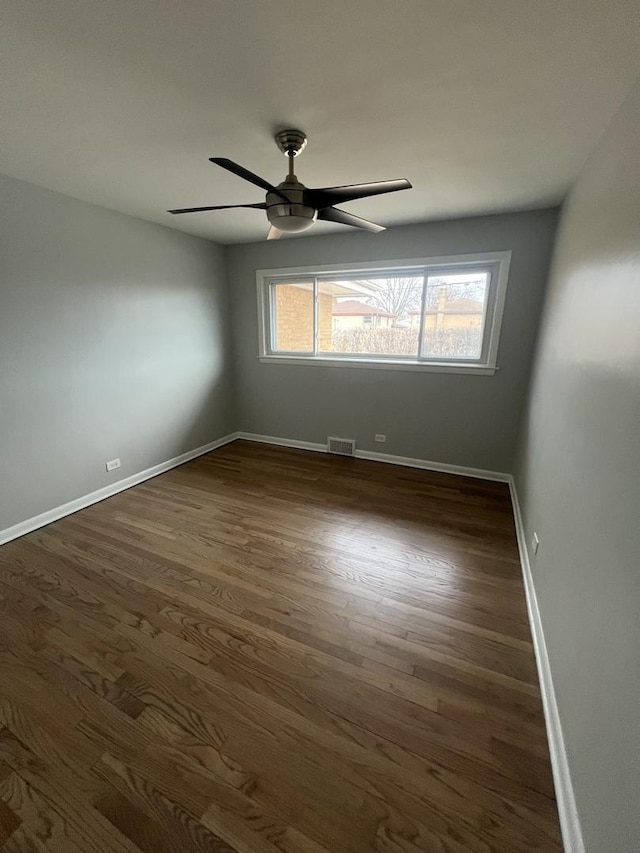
(353, 308)
(456, 306)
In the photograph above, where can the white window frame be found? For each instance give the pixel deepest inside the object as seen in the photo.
(496, 262)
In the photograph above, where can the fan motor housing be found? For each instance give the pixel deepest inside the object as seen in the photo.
(294, 216)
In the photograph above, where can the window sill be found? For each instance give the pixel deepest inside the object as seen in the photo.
(420, 366)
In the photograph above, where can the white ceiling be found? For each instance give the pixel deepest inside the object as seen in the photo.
(485, 105)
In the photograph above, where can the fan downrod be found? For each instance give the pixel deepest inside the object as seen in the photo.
(291, 142)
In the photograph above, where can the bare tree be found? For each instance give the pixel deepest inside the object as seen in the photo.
(400, 295)
(397, 296)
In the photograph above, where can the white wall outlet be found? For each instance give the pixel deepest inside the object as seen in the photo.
(379, 437)
(535, 544)
(112, 464)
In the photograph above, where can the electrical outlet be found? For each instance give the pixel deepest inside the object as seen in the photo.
(112, 464)
(380, 437)
(535, 544)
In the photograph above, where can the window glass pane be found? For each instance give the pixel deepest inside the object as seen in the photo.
(455, 307)
(292, 317)
(372, 316)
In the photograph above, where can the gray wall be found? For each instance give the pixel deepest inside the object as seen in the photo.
(578, 479)
(113, 342)
(456, 419)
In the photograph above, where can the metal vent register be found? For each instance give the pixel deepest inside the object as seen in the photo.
(341, 446)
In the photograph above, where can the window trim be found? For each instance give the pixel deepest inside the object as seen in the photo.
(497, 262)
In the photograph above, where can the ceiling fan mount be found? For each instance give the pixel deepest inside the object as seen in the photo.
(291, 207)
(286, 207)
(291, 141)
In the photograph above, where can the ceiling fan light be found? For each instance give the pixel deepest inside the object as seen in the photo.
(292, 218)
(292, 224)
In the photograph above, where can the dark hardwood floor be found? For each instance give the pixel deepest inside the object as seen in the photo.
(273, 651)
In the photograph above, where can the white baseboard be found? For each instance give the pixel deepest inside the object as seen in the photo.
(282, 442)
(426, 465)
(565, 797)
(54, 514)
(374, 456)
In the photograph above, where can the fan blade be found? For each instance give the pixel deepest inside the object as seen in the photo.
(326, 196)
(332, 214)
(261, 206)
(241, 172)
(274, 233)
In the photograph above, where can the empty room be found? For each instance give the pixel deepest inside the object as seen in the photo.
(320, 426)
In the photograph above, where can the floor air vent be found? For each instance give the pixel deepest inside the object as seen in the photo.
(341, 446)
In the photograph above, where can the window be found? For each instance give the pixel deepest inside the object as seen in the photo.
(431, 314)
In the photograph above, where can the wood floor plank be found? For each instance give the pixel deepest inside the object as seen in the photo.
(53, 808)
(9, 822)
(181, 831)
(273, 651)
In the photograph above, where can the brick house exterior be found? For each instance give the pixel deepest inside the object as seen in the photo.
(294, 319)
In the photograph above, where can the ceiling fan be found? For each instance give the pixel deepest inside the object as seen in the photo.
(291, 207)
